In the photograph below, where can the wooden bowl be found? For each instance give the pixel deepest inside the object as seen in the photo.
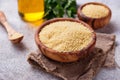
(64, 56)
(96, 23)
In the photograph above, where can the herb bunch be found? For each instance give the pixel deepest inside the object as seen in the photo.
(59, 8)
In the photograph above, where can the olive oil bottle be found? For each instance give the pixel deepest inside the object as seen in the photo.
(31, 10)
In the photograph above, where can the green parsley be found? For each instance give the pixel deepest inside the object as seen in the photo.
(60, 8)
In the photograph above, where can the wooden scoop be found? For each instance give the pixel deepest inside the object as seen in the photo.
(13, 35)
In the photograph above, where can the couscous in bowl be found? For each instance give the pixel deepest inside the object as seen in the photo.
(96, 14)
(61, 53)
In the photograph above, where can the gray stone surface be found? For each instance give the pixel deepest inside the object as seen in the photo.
(13, 64)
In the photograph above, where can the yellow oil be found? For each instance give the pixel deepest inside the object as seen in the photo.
(31, 10)
(37, 23)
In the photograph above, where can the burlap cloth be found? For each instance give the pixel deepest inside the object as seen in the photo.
(84, 69)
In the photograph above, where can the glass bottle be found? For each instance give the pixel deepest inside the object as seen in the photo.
(31, 10)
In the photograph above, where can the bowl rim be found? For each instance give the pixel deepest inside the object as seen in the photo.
(79, 11)
(40, 44)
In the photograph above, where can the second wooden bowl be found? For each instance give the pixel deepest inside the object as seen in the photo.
(95, 23)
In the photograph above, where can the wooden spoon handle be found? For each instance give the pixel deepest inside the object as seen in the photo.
(4, 22)
(2, 17)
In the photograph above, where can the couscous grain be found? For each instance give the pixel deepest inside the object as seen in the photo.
(95, 11)
(65, 36)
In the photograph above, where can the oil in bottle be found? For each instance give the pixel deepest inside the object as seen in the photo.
(31, 10)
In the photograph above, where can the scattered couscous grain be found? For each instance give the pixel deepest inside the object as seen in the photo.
(65, 36)
(95, 11)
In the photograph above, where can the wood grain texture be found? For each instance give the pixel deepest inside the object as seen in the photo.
(95, 23)
(65, 56)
